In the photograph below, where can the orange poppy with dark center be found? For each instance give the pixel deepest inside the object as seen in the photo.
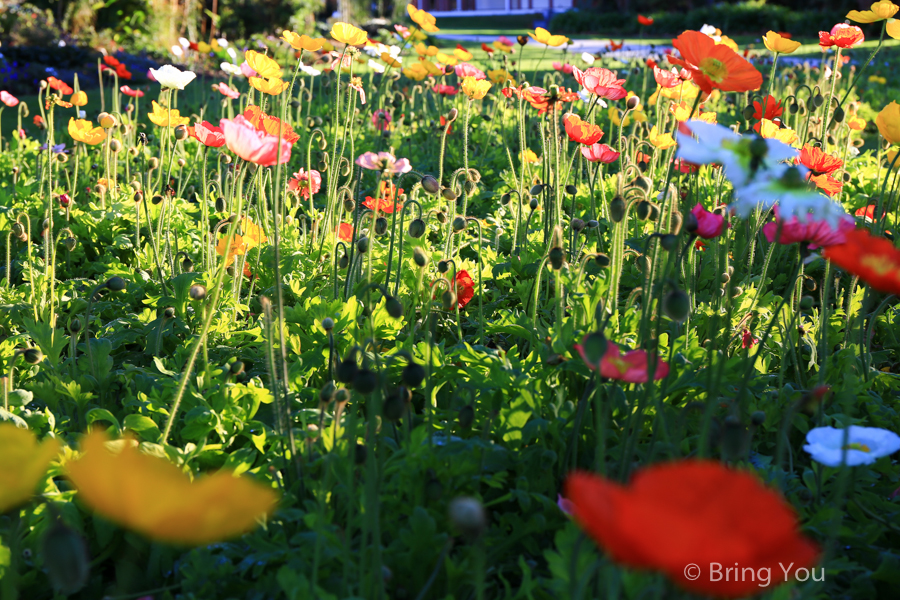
(714, 66)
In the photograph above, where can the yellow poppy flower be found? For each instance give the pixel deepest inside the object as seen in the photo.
(302, 42)
(164, 117)
(498, 45)
(877, 79)
(528, 157)
(431, 68)
(770, 130)
(348, 34)
(85, 132)
(856, 123)
(475, 89)
(499, 76)
(617, 119)
(638, 115)
(727, 41)
(203, 48)
(462, 55)
(237, 248)
(79, 99)
(879, 12)
(326, 45)
(387, 58)
(273, 86)
(23, 463)
(155, 498)
(888, 122)
(778, 43)
(543, 36)
(423, 19)
(416, 71)
(264, 66)
(663, 141)
(446, 59)
(252, 233)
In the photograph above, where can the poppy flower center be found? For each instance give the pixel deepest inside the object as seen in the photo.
(880, 264)
(714, 68)
(620, 364)
(860, 447)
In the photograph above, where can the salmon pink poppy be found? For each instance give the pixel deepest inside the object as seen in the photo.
(709, 225)
(563, 67)
(384, 162)
(130, 92)
(874, 259)
(630, 367)
(304, 182)
(714, 66)
(227, 91)
(208, 134)
(601, 82)
(60, 86)
(666, 79)
(841, 35)
(581, 131)
(677, 515)
(815, 232)
(253, 145)
(467, 70)
(748, 340)
(8, 99)
(382, 205)
(465, 288)
(599, 153)
(867, 212)
(821, 165)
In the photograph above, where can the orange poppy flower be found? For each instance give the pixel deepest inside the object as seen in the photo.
(873, 259)
(465, 288)
(271, 125)
(679, 516)
(642, 20)
(714, 66)
(345, 232)
(581, 131)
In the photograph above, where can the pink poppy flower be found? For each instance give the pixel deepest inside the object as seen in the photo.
(601, 82)
(817, 233)
(150, 75)
(709, 225)
(381, 119)
(564, 67)
(226, 91)
(247, 70)
(8, 99)
(565, 505)
(599, 153)
(403, 31)
(208, 134)
(631, 367)
(359, 88)
(304, 182)
(130, 92)
(253, 145)
(505, 41)
(467, 70)
(748, 340)
(667, 79)
(336, 58)
(384, 162)
(445, 90)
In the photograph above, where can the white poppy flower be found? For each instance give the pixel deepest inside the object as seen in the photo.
(230, 68)
(222, 42)
(310, 71)
(375, 66)
(864, 445)
(177, 51)
(588, 58)
(786, 186)
(184, 43)
(172, 77)
(232, 53)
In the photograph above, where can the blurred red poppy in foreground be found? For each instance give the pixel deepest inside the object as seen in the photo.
(631, 367)
(465, 288)
(714, 65)
(693, 513)
(873, 259)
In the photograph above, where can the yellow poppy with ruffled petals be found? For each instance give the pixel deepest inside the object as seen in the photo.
(348, 34)
(165, 117)
(775, 42)
(543, 36)
(152, 496)
(879, 12)
(663, 141)
(273, 86)
(302, 42)
(79, 99)
(423, 19)
(23, 463)
(475, 89)
(85, 132)
(265, 66)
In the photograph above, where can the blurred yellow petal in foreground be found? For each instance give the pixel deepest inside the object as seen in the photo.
(23, 463)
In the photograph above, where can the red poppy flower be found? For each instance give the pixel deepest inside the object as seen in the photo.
(122, 72)
(642, 20)
(444, 124)
(465, 288)
(666, 79)
(39, 121)
(826, 183)
(841, 35)
(130, 92)
(714, 66)
(613, 46)
(345, 232)
(383, 205)
(631, 367)
(773, 108)
(873, 259)
(445, 90)
(112, 61)
(819, 162)
(601, 82)
(747, 339)
(208, 134)
(867, 212)
(651, 63)
(677, 515)
(540, 99)
(487, 48)
(581, 131)
(60, 86)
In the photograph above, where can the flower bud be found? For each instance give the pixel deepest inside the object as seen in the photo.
(601, 260)
(381, 226)
(557, 258)
(448, 194)
(448, 300)
(181, 132)
(677, 306)
(416, 228)
(632, 102)
(459, 224)
(346, 369)
(642, 210)
(197, 292)
(577, 225)
(115, 284)
(467, 515)
(669, 242)
(419, 257)
(115, 146)
(32, 356)
(169, 313)
(430, 185)
(327, 324)
(443, 266)
(65, 557)
(643, 263)
(522, 40)
(181, 163)
(365, 381)
(70, 243)
(153, 163)
(394, 307)
(362, 245)
(451, 116)
(617, 209)
(413, 375)
(536, 189)
(466, 416)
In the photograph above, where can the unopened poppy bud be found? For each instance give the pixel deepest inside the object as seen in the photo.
(394, 307)
(759, 147)
(536, 189)
(645, 183)
(724, 278)
(181, 132)
(448, 300)
(748, 112)
(326, 394)
(323, 166)
(346, 370)
(441, 217)
(459, 224)
(327, 324)
(32, 356)
(642, 210)
(64, 158)
(601, 260)
(416, 228)
(70, 243)
(365, 381)
(571, 190)
(806, 302)
(533, 204)
(323, 143)
(675, 223)
(226, 158)
(413, 374)
(451, 116)
(156, 199)
(443, 266)
(106, 120)
(381, 226)
(467, 515)
(115, 146)
(617, 209)
(349, 205)
(187, 265)
(669, 242)
(818, 100)
(345, 168)
(557, 258)
(362, 245)
(343, 261)
(220, 204)
(690, 223)
(577, 225)
(169, 313)
(522, 40)
(430, 185)
(66, 560)
(153, 163)
(792, 178)
(181, 163)
(838, 115)
(469, 186)
(505, 198)
(197, 292)
(360, 453)
(736, 291)
(394, 407)
(75, 326)
(466, 416)
(115, 284)
(419, 257)
(448, 194)
(758, 418)
(643, 263)
(809, 284)
(677, 305)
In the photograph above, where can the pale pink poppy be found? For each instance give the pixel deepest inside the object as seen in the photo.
(601, 82)
(564, 67)
(253, 145)
(226, 91)
(818, 233)
(599, 153)
(505, 40)
(130, 92)
(381, 119)
(8, 99)
(335, 58)
(304, 182)
(467, 70)
(384, 162)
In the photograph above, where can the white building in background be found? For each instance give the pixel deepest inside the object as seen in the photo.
(475, 8)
